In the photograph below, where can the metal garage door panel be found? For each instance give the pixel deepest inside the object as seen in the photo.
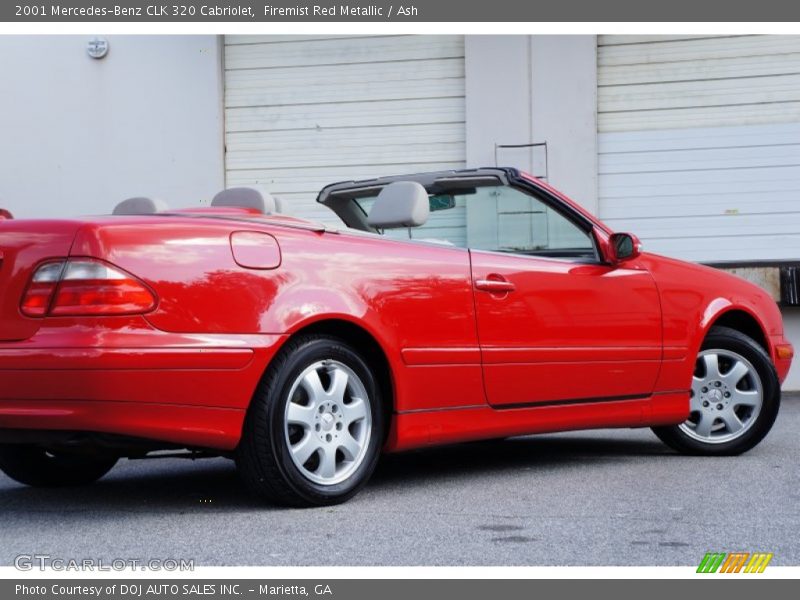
(661, 50)
(304, 111)
(688, 94)
(716, 116)
(699, 144)
(732, 249)
(713, 137)
(326, 51)
(352, 114)
(345, 83)
(704, 159)
(711, 69)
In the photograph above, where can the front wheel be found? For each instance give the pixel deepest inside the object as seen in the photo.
(39, 467)
(315, 427)
(735, 398)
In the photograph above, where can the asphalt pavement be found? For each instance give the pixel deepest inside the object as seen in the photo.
(608, 497)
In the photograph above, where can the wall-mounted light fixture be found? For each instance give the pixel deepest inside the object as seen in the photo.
(97, 47)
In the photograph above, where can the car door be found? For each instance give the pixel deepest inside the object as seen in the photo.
(555, 324)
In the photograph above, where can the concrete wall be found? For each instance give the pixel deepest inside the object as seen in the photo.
(532, 89)
(498, 95)
(77, 135)
(564, 88)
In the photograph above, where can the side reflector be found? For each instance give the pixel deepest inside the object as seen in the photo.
(784, 351)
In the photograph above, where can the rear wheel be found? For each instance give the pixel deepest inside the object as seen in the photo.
(35, 466)
(735, 398)
(315, 427)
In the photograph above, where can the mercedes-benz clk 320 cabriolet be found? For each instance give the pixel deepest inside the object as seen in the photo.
(446, 307)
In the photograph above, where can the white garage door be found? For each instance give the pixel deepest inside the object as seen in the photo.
(305, 111)
(700, 144)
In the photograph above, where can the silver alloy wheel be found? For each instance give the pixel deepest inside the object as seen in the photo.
(726, 397)
(328, 422)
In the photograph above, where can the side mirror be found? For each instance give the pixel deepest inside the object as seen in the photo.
(624, 246)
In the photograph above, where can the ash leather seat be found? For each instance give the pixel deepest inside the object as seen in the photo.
(400, 204)
(245, 197)
(140, 206)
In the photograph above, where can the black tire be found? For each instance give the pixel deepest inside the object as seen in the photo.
(35, 466)
(264, 458)
(724, 338)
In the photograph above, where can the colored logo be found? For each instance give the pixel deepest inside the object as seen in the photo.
(734, 562)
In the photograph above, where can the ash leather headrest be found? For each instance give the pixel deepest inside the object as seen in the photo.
(245, 197)
(400, 204)
(140, 206)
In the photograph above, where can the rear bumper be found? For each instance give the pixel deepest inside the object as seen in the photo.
(188, 390)
(191, 426)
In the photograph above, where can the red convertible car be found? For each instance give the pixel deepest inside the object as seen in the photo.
(445, 307)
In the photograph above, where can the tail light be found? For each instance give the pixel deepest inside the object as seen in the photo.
(37, 298)
(85, 287)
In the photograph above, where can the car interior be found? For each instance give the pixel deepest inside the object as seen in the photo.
(501, 218)
(236, 197)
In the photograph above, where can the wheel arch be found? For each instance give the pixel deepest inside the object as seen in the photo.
(723, 313)
(362, 340)
(741, 320)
